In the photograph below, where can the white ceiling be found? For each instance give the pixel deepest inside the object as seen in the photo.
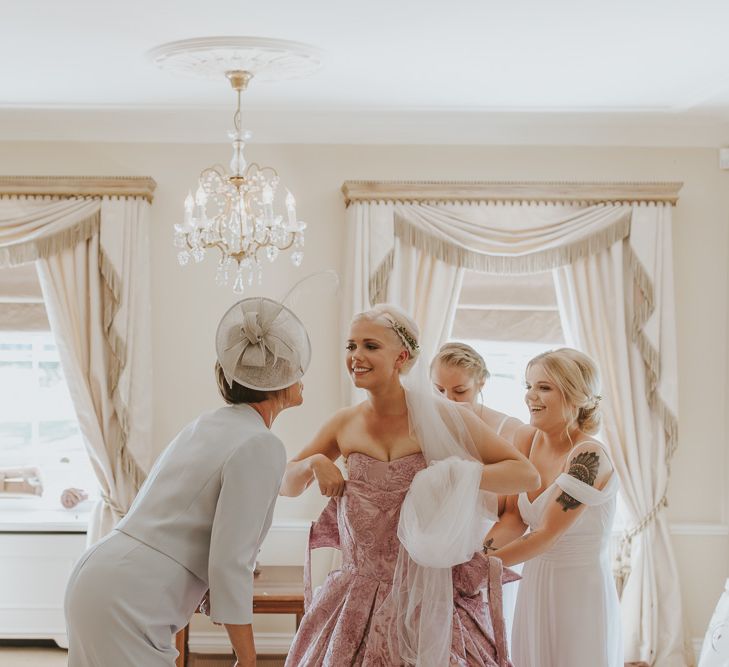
(638, 71)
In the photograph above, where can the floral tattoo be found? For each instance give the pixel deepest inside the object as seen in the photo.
(488, 546)
(583, 467)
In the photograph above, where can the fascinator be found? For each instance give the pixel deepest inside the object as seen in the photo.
(263, 345)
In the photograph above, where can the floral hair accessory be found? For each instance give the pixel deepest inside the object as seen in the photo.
(405, 336)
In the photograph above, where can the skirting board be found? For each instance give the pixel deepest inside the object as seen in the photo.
(279, 643)
(267, 643)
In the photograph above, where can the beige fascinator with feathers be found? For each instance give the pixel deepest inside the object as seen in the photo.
(262, 345)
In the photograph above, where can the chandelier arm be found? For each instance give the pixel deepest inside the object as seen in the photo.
(289, 244)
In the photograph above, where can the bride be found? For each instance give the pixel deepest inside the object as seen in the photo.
(409, 519)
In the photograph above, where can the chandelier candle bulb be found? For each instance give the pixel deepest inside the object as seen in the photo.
(291, 210)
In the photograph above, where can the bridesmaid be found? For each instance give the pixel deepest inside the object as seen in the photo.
(567, 612)
(460, 373)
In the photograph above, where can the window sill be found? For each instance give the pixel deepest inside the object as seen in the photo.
(27, 515)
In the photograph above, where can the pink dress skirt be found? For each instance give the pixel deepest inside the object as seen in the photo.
(350, 620)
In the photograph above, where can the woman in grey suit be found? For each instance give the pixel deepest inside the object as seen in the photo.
(201, 516)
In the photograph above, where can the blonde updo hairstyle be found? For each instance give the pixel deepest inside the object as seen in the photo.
(578, 379)
(462, 356)
(400, 325)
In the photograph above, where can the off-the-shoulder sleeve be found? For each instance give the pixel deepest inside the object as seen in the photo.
(580, 490)
(251, 478)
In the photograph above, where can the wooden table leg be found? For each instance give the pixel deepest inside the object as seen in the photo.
(181, 646)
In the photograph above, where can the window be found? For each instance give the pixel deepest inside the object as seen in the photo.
(508, 319)
(38, 425)
(506, 361)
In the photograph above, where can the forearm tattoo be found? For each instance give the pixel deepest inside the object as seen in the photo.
(583, 467)
(488, 545)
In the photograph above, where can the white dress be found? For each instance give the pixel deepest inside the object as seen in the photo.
(511, 589)
(196, 523)
(567, 611)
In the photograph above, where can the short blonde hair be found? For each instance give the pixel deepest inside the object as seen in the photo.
(462, 356)
(402, 326)
(578, 379)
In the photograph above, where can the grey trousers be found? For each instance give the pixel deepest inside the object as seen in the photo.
(124, 603)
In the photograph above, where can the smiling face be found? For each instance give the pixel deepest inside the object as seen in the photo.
(547, 408)
(375, 354)
(455, 382)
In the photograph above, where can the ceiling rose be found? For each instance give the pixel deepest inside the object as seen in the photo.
(210, 57)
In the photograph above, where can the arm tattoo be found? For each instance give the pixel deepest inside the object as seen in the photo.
(583, 467)
(488, 546)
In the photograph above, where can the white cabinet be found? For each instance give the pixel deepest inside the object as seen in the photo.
(34, 569)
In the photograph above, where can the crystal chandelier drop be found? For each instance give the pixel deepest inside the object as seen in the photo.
(234, 213)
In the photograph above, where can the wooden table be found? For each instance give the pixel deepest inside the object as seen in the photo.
(278, 589)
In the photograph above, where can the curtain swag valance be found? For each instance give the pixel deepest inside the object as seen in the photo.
(44, 215)
(522, 251)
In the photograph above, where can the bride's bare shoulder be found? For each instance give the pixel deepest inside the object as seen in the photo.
(346, 415)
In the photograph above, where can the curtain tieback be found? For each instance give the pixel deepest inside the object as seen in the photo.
(621, 565)
(113, 505)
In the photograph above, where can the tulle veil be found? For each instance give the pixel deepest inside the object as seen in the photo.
(442, 523)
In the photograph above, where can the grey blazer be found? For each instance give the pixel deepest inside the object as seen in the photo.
(208, 504)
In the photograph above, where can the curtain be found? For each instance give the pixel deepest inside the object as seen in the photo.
(388, 239)
(93, 265)
(617, 306)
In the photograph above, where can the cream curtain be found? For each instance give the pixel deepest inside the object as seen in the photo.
(617, 306)
(388, 239)
(93, 265)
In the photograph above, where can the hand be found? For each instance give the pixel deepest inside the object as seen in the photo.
(329, 476)
(72, 497)
(204, 606)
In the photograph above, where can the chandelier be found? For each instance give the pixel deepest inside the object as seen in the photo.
(233, 213)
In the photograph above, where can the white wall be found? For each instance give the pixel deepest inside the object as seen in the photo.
(187, 305)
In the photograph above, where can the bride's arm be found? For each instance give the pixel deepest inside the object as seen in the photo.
(509, 527)
(316, 461)
(505, 470)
